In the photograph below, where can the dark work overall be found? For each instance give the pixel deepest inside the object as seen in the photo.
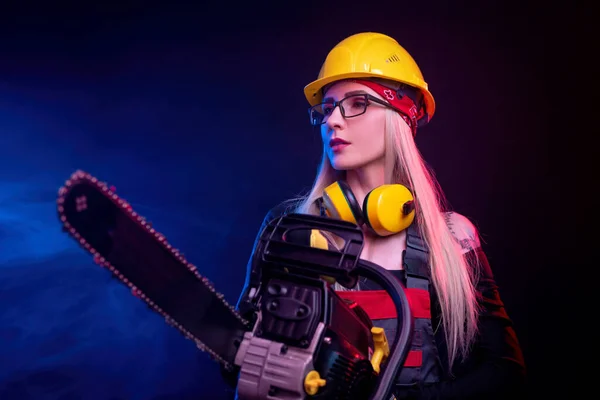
(422, 365)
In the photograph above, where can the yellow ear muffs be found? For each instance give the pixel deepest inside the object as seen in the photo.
(340, 203)
(388, 209)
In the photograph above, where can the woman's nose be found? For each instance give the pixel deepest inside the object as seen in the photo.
(335, 119)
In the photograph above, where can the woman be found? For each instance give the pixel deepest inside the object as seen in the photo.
(369, 101)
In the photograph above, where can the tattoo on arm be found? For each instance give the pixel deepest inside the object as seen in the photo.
(467, 243)
(449, 223)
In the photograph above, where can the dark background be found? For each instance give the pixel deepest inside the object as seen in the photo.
(196, 114)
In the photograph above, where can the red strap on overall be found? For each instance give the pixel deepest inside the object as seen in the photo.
(379, 305)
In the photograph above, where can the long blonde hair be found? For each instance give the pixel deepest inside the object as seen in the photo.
(452, 276)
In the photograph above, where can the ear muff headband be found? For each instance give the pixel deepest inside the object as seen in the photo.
(384, 209)
(340, 203)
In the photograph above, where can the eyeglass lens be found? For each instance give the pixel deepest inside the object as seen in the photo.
(350, 106)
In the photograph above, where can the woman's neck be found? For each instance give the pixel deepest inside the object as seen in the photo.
(365, 179)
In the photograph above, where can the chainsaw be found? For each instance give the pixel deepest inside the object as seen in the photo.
(295, 339)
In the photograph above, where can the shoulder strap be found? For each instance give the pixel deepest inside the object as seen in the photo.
(416, 259)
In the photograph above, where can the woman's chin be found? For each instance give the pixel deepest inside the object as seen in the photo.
(339, 164)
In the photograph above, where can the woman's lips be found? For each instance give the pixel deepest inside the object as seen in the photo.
(339, 147)
(338, 144)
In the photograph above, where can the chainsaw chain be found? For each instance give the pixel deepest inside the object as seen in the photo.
(81, 176)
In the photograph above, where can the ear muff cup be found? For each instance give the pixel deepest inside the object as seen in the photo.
(340, 203)
(386, 210)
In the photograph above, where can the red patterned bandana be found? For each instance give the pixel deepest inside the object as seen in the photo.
(402, 103)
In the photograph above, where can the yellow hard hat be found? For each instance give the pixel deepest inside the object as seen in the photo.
(370, 55)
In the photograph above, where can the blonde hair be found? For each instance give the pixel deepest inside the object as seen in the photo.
(452, 276)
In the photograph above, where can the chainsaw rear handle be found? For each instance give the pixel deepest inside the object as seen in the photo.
(403, 338)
